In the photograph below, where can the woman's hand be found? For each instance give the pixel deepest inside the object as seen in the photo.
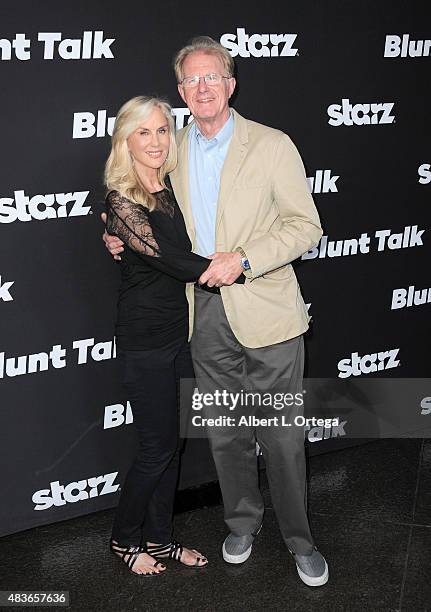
(112, 243)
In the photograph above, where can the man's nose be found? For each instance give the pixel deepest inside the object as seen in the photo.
(202, 86)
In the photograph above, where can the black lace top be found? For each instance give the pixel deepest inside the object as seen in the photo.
(156, 263)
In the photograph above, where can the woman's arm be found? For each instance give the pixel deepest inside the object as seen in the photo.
(129, 221)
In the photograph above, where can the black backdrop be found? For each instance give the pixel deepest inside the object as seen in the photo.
(62, 456)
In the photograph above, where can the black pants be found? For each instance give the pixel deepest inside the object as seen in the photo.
(151, 379)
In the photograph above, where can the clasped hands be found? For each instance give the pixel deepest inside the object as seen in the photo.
(224, 268)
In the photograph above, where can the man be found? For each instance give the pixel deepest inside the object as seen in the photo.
(243, 193)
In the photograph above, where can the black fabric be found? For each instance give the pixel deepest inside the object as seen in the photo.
(156, 263)
(215, 290)
(151, 378)
(152, 330)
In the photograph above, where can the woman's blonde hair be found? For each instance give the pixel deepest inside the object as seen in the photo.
(120, 174)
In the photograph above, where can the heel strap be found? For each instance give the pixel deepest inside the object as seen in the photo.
(123, 551)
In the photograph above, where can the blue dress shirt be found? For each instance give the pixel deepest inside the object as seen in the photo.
(206, 159)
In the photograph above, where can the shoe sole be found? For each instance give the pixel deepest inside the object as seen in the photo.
(244, 556)
(236, 558)
(314, 581)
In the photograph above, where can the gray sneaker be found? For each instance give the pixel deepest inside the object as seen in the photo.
(312, 569)
(237, 549)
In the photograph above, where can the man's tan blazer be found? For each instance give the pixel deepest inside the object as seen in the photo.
(264, 207)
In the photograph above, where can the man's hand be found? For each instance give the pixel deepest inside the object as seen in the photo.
(223, 270)
(112, 243)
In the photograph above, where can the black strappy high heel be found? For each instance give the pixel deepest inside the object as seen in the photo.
(173, 550)
(133, 553)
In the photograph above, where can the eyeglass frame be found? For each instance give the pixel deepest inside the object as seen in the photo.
(204, 77)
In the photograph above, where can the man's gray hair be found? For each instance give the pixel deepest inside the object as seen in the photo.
(205, 44)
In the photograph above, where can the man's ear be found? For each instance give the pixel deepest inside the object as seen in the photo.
(232, 85)
(181, 92)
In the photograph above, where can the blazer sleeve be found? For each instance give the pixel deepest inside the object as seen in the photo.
(300, 228)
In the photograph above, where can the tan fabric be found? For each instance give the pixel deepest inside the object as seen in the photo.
(264, 207)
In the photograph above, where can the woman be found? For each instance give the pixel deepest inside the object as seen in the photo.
(152, 327)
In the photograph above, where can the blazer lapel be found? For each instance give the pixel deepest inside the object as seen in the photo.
(180, 183)
(232, 164)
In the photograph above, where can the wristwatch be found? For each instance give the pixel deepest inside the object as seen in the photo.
(244, 260)
(245, 263)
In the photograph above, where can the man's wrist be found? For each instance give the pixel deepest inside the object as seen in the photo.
(245, 264)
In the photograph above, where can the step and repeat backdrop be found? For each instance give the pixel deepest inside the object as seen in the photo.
(348, 81)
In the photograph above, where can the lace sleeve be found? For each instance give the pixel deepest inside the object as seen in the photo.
(129, 221)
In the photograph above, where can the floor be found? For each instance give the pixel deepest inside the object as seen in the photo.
(370, 509)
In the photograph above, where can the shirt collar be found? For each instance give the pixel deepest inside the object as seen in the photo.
(222, 136)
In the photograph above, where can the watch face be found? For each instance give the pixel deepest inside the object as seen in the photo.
(245, 264)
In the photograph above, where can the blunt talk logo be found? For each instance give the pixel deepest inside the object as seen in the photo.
(375, 362)
(92, 45)
(377, 113)
(87, 125)
(56, 357)
(259, 45)
(116, 415)
(323, 182)
(98, 124)
(5, 295)
(317, 434)
(397, 46)
(59, 495)
(404, 298)
(41, 207)
(385, 239)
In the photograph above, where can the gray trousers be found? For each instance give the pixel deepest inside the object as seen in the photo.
(221, 362)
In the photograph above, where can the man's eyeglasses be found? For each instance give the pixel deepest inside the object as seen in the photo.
(210, 79)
